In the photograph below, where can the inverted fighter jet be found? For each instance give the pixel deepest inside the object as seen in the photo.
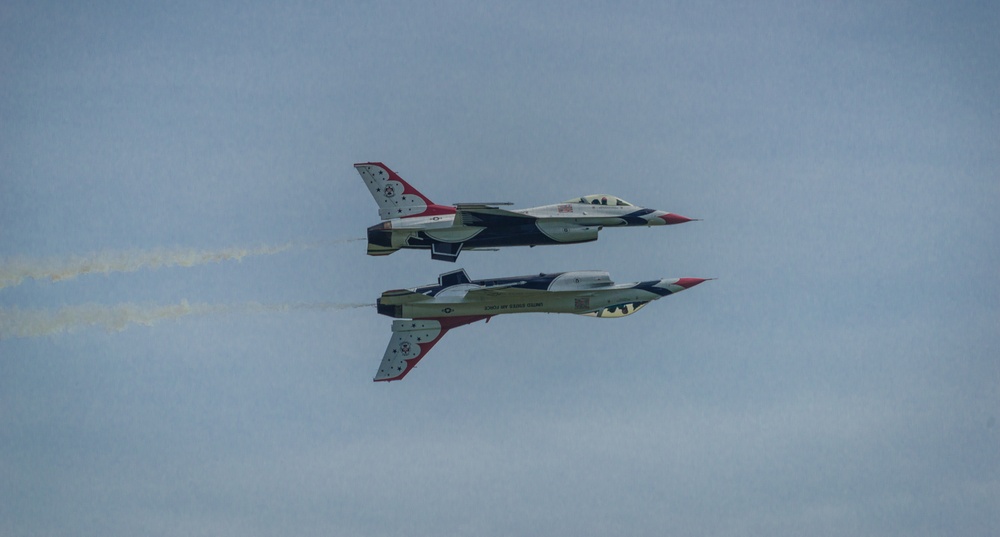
(411, 220)
(432, 310)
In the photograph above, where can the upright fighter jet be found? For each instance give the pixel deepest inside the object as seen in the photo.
(411, 220)
(432, 310)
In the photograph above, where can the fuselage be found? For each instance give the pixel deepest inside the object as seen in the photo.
(540, 302)
(564, 223)
(582, 292)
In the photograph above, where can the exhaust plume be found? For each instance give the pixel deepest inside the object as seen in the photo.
(17, 323)
(14, 272)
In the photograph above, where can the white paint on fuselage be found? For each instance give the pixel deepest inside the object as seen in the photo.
(578, 292)
(578, 213)
(423, 223)
(579, 302)
(442, 227)
(583, 280)
(582, 214)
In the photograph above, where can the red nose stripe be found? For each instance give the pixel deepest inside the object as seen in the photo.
(688, 283)
(671, 218)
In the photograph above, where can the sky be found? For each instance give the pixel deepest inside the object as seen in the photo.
(186, 337)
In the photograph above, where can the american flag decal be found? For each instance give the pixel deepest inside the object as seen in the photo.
(582, 303)
(566, 208)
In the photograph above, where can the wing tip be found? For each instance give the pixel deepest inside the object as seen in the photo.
(390, 379)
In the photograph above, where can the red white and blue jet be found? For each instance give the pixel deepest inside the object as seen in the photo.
(411, 220)
(424, 314)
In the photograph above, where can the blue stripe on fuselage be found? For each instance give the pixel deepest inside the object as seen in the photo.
(636, 218)
(651, 287)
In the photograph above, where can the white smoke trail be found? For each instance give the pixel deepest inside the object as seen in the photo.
(17, 323)
(15, 271)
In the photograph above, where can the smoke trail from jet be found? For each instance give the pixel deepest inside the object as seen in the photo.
(17, 323)
(14, 272)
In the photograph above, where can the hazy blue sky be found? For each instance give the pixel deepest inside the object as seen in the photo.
(841, 377)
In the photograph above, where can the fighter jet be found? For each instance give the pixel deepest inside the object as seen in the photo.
(432, 310)
(411, 220)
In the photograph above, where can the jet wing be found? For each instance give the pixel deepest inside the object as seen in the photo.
(412, 340)
(485, 215)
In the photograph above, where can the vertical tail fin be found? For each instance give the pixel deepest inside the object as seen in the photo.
(412, 340)
(395, 197)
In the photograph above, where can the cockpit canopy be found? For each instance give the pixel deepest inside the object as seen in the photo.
(601, 199)
(618, 310)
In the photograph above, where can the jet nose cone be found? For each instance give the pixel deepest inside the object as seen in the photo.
(688, 283)
(670, 219)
